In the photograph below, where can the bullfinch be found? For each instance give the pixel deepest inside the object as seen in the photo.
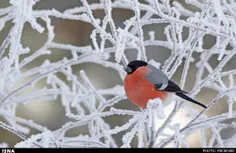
(143, 82)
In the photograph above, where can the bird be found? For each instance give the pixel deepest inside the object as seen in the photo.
(143, 82)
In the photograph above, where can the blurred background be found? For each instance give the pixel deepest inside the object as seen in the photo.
(52, 114)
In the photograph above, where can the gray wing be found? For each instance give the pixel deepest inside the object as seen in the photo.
(157, 77)
(161, 81)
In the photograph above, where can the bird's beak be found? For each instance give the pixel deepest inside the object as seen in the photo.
(128, 70)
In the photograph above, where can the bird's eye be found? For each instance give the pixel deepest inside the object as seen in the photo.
(157, 86)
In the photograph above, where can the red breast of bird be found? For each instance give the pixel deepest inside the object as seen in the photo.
(139, 90)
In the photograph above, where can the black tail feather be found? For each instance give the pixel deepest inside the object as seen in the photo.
(184, 92)
(182, 95)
